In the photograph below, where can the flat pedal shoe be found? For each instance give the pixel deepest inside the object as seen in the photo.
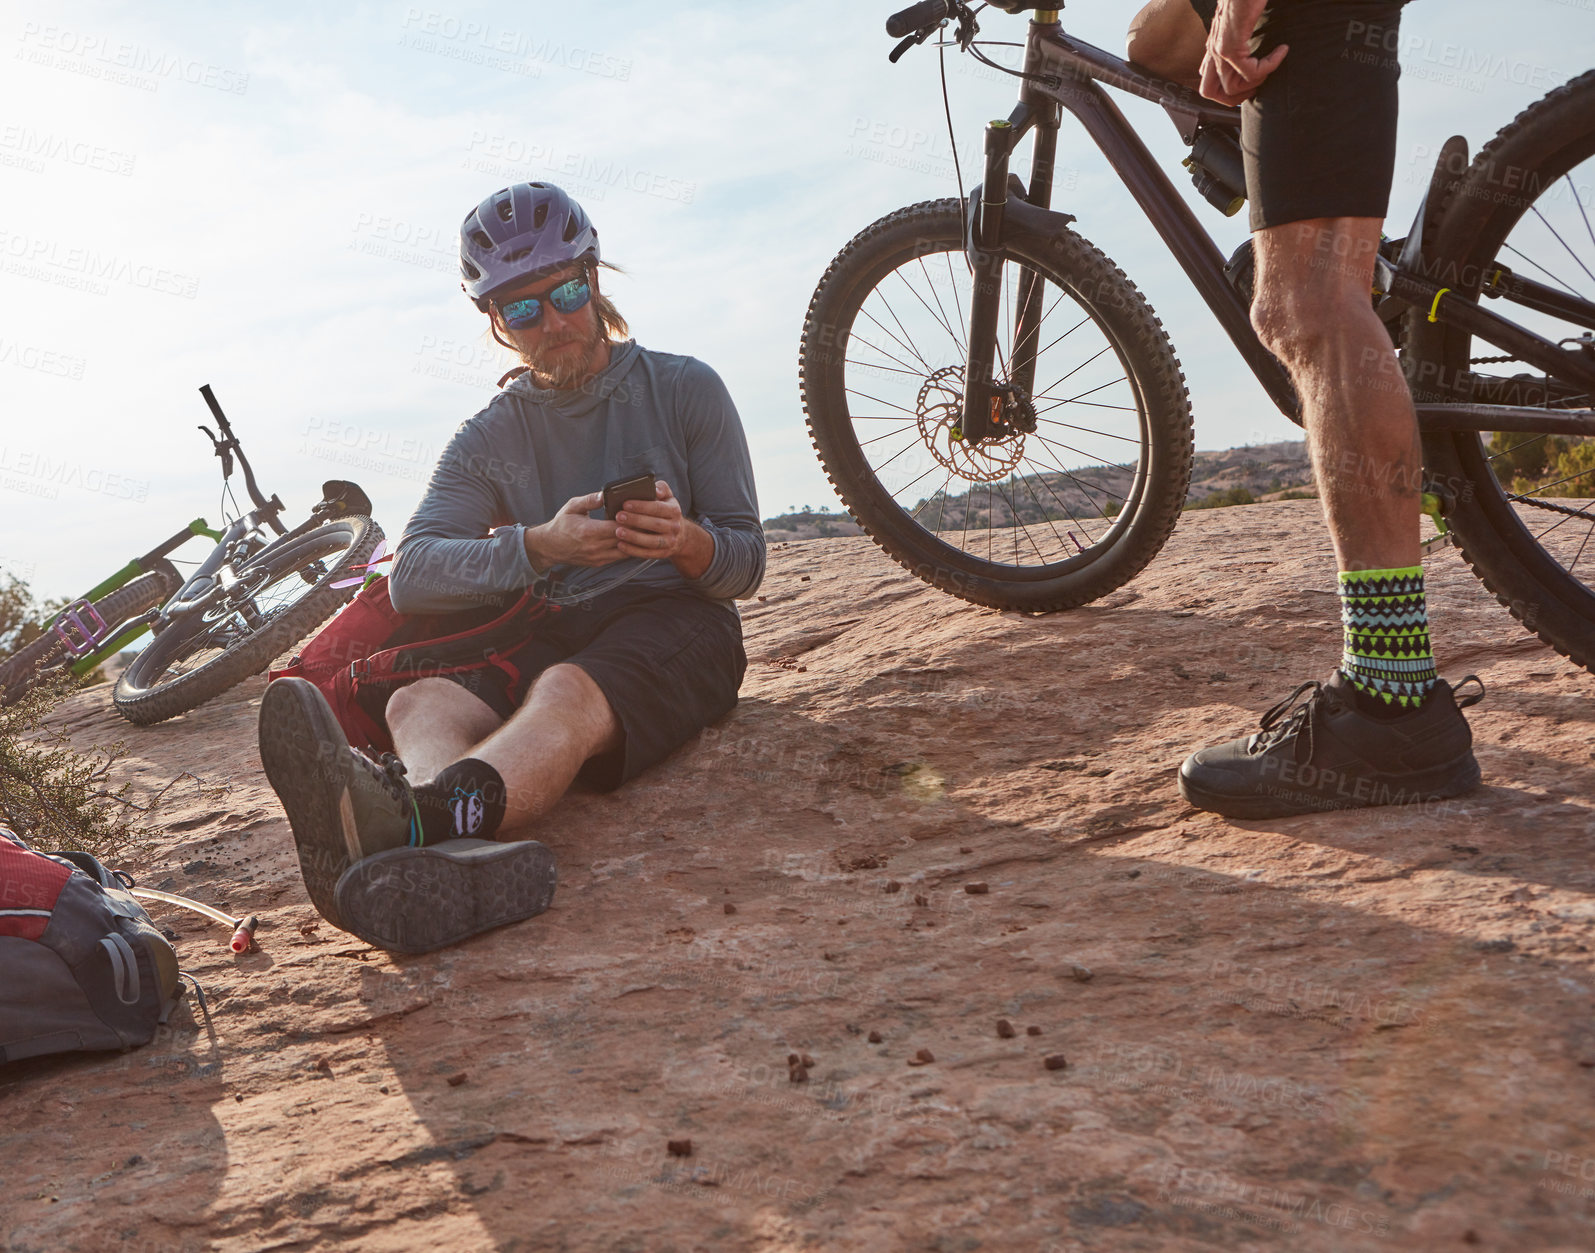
(414, 900)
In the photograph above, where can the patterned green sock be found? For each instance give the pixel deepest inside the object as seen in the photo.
(1386, 620)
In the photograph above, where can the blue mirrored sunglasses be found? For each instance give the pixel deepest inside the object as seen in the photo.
(567, 298)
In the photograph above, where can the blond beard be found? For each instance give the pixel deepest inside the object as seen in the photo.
(564, 370)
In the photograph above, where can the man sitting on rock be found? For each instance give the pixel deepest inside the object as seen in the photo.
(606, 686)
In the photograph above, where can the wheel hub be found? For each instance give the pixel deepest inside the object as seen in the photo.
(940, 415)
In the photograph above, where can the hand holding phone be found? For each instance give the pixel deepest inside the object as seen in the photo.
(617, 493)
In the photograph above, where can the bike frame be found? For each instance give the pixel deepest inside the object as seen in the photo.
(1067, 73)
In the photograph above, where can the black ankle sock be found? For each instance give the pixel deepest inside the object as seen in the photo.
(466, 799)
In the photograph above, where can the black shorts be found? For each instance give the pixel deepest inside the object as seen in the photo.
(1320, 134)
(668, 662)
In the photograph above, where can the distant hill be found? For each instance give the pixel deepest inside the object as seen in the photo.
(1221, 477)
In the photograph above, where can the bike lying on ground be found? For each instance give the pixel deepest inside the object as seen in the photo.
(926, 338)
(251, 599)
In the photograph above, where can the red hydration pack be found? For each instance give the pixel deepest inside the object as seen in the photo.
(371, 648)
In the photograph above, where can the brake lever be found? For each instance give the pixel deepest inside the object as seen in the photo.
(918, 37)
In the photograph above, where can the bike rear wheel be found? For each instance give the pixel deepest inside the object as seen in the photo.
(23, 670)
(1092, 477)
(282, 594)
(1520, 503)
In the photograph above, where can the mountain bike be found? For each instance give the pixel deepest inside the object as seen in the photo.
(261, 590)
(1002, 411)
(101, 622)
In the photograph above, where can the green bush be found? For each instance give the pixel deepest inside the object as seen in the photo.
(52, 795)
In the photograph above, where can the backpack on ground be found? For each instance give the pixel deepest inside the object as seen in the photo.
(370, 649)
(81, 964)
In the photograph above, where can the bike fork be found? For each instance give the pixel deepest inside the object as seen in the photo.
(982, 414)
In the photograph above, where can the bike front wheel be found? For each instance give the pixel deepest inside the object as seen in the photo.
(280, 596)
(1091, 476)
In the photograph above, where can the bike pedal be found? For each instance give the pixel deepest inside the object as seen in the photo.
(1431, 546)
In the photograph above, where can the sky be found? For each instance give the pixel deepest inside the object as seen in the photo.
(265, 198)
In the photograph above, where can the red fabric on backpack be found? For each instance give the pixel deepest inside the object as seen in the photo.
(371, 648)
(29, 886)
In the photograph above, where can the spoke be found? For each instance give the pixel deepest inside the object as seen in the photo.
(856, 338)
(1018, 526)
(1539, 488)
(1070, 474)
(911, 345)
(952, 282)
(1584, 543)
(1027, 481)
(908, 348)
(1076, 399)
(947, 319)
(1062, 503)
(907, 426)
(1105, 434)
(951, 334)
(1064, 336)
(1081, 366)
(1564, 242)
(911, 444)
(1588, 230)
(888, 369)
(1541, 268)
(911, 413)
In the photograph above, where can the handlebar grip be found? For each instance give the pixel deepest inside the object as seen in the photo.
(917, 17)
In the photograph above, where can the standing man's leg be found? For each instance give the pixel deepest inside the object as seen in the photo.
(1319, 141)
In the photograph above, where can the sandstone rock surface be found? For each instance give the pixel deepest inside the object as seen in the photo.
(1348, 1031)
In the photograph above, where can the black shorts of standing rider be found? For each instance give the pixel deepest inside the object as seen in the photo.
(668, 662)
(1320, 134)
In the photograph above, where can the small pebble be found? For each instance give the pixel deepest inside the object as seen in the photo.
(920, 900)
(383, 1089)
(679, 1148)
(892, 885)
(807, 1060)
(976, 889)
(323, 1065)
(1005, 1029)
(239, 1097)
(1054, 1061)
(730, 908)
(797, 1074)
(1032, 1030)
(1081, 974)
(456, 1080)
(966, 850)
(874, 1037)
(792, 1059)
(922, 1058)
(803, 579)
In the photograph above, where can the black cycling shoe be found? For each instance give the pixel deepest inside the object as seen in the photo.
(341, 805)
(414, 900)
(1324, 753)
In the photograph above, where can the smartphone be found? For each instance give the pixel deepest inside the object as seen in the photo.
(616, 494)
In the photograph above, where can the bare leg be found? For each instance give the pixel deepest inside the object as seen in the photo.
(1168, 38)
(563, 721)
(434, 722)
(1314, 312)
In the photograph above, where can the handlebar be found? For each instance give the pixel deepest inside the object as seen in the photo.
(917, 17)
(229, 445)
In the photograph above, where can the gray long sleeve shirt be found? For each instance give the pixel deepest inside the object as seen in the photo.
(519, 460)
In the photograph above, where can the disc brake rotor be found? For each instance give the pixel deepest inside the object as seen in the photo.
(939, 412)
